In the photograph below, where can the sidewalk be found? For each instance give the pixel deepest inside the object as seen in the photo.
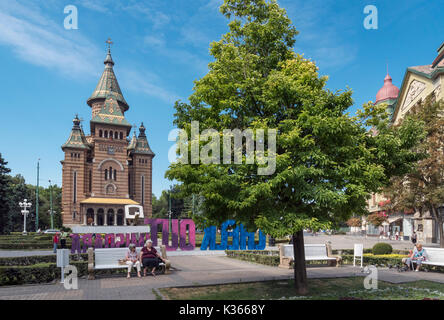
(192, 271)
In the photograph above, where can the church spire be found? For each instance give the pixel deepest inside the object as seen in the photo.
(108, 83)
(77, 139)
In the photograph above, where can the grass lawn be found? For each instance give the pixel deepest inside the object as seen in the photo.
(319, 289)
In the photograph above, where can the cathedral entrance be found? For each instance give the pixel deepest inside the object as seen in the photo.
(120, 217)
(100, 217)
(110, 217)
(90, 217)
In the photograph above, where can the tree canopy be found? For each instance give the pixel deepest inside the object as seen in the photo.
(326, 160)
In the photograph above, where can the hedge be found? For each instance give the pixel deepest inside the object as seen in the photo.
(25, 246)
(45, 272)
(37, 273)
(377, 260)
(252, 256)
(32, 260)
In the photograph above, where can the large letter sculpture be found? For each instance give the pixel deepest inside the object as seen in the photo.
(241, 238)
(191, 234)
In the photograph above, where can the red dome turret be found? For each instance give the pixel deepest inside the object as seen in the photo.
(388, 90)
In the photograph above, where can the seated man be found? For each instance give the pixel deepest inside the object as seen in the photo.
(132, 259)
(417, 256)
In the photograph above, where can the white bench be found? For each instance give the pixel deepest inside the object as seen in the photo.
(313, 252)
(108, 258)
(435, 256)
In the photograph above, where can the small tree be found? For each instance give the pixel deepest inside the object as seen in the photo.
(377, 218)
(354, 222)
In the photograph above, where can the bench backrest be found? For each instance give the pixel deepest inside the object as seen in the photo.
(435, 254)
(315, 250)
(311, 250)
(111, 256)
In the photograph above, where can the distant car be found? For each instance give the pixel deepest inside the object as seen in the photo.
(51, 231)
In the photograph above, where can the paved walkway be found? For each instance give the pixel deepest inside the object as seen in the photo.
(192, 271)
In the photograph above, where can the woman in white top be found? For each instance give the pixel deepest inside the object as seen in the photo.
(132, 260)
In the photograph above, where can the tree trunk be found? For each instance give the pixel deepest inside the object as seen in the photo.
(300, 273)
(441, 232)
(436, 215)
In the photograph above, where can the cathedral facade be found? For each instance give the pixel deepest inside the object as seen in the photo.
(107, 169)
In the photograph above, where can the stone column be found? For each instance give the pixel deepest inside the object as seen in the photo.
(105, 220)
(84, 218)
(115, 217)
(124, 220)
(95, 217)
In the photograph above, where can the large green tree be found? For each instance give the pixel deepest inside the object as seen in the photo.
(422, 189)
(326, 160)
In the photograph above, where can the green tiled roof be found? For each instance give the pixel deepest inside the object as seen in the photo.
(110, 113)
(77, 139)
(142, 146)
(108, 84)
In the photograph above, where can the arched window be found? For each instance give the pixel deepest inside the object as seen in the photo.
(111, 134)
(110, 173)
(100, 133)
(121, 135)
(106, 133)
(106, 174)
(116, 135)
(115, 174)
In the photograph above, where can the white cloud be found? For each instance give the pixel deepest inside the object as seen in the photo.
(93, 5)
(38, 40)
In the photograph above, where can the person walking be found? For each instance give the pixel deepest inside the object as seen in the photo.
(55, 241)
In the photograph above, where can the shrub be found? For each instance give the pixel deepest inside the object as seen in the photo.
(354, 222)
(382, 248)
(377, 218)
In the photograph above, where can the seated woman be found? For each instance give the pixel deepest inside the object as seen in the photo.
(418, 256)
(132, 260)
(150, 257)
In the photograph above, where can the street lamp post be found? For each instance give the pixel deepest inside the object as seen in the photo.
(25, 205)
(50, 201)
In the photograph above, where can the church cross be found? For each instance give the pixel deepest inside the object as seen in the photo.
(109, 43)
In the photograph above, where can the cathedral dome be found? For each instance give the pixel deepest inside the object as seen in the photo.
(388, 90)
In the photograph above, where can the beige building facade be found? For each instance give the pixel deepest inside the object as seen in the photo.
(419, 83)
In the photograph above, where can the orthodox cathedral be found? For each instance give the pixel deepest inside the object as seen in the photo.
(107, 169)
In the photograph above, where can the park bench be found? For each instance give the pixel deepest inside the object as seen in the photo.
(313, 252)
(108, 258)
(435, 256)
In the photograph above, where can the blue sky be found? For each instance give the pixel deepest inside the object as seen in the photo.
(160, 47)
